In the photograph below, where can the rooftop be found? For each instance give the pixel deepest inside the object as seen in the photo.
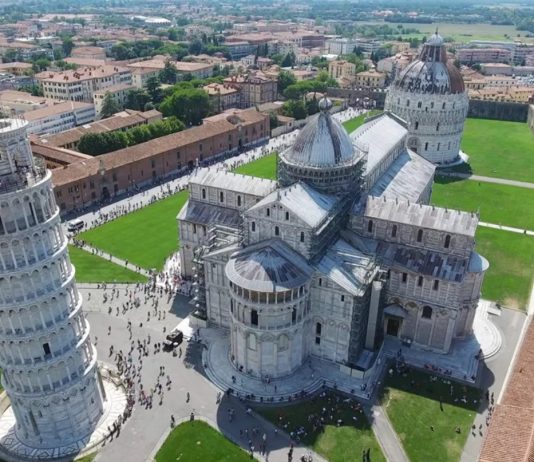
(422, 216)
(212, 177)
(60, 108)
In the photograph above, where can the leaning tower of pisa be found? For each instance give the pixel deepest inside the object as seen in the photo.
(48, 363)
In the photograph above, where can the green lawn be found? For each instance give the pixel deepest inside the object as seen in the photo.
(499, 149)
(343, 443)
(198, 442)
(145, 237)
(88, 458)
(511, 272)
(264, 167)
(352, 124)
(412, 402)
(499, 204)
(91, 268)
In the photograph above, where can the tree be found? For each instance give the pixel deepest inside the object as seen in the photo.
(195, 47)
(152, 88)
(168, 74)
(188, 105)
(295, 109)
(289, 60)
(40, 64)
(109, 106)
(95, 144)
(137, 99)
(34, 90)
(67, 46)
(172, 34)
(285, 78)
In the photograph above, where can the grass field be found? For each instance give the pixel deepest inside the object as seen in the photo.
(511, 272)
(87, 458)
(90, 268)
(499, 149)
(499, 204)
(462, 32)
(412, 402)
(343, 443)
(198, 442)
(352, 124)
(145, 237)
(265, 167)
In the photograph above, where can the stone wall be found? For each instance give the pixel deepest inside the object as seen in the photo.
(354, 95)
(498, 110)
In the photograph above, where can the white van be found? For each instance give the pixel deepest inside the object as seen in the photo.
(75, 225)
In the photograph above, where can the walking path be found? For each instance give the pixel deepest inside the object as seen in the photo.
(488, 179)
(386, 435)
(506, 228)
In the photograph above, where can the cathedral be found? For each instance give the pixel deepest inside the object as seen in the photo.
(341, 252)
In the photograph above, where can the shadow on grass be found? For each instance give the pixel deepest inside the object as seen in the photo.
(464, 168)
(446, 179)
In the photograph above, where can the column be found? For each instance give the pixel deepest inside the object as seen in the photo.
(376, 289)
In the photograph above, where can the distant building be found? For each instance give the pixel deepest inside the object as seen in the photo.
(88, 52)
(81, 84)
(255, 88)
(341, 70)
(340, 46)
(59, 117)
(483, 55)
(222, 96)
(118, 92)
(370, 78)
(16, 68)
(19, 101)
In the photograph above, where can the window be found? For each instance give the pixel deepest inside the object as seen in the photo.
(419, 235)
(239, 201)
(426, 146)
(254, 317)
(419, 104)
(276, 231)
(438, 146)
(427, 312)
(318, 328)
(437, 127)
(194, 228)
(416, 125)
(404, 277)
(420, 281)
(287, 216)
(394, 231)
(268, 212)
(320, 282)
(253, 226)
(443, 106)
(370, 226)
(317, 340)
(432, 105)
(342, 298)
(294, 315)
(407, 103)
(46, 349)
(221, 197)
(302, 237)
(436, 285)
(447, 241)
(203, 193)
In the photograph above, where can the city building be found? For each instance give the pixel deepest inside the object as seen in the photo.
(122, 121)
(370, 78)
(19, 102)
(340, 46)
(89, 181)
(343, 251)
(87, 52)
(16, 68)
(81, 84)
(254, 88)
(340, 69)
(49, 366)
(484, 55)
(119, 93)
(222, 96)
(430, 95)
(59, 117)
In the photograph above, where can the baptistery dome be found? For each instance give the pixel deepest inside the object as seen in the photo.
(430, 96)
(323, 155)
(431, 72)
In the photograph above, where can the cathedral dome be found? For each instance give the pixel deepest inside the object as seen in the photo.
(431, 72)
(323, 142)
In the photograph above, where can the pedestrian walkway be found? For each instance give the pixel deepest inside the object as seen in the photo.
(507, 228)
(488, 179)
(386, 435)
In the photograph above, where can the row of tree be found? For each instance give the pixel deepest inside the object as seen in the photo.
(100, 143)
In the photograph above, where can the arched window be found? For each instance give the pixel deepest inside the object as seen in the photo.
(416, 125)
(318, 328)
(203, 193)
(447, 241)
(427, 312)
(370, 226)
(276, 231)
(302, 237)
(268, 212)
(221, 197)
(394, 231)
(239, 201)
(426, 146)
(253, 226)
(443, 106)
(419, 235)
(287, 215)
